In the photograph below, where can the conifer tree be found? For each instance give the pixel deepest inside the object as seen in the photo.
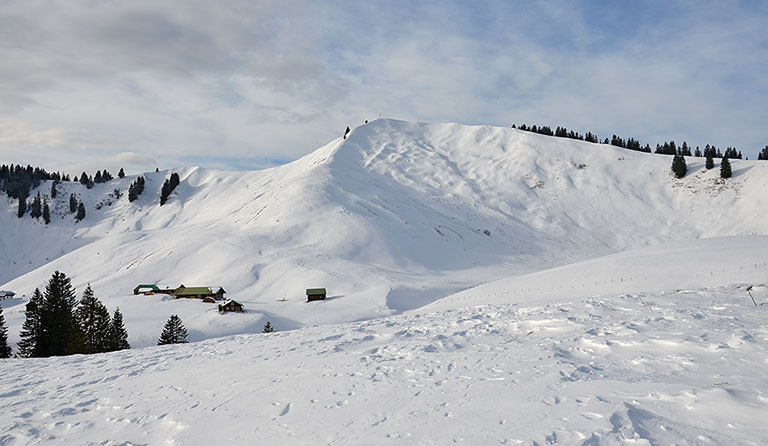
(268, 328)
(118, 335)
(763, 154)
(22, 207)
(5, 349)
(53, 189)
(36, 209)
(710, 163)
(121, 174)
(174, 180)
(30, 330)
(725, 168)
(678, 166)
(165, 191)
(72, 204)
(168, 186)
(174, 332)
(84, 179)
(46, 212)
(60, 333)
(95, 323)
(80, 212)
(135, 189)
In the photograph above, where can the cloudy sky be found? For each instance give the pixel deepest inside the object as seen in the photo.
(250, 84)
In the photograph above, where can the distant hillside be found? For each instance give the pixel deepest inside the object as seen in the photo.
(394, 217)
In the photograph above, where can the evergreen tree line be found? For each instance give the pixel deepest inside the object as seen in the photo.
(168, 186)
(668, 148)
(100, 177)
(57, 324)
(17, 181)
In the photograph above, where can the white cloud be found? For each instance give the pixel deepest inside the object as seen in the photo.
(273, 80)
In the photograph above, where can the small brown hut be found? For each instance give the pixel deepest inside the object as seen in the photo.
(315, 294)
(231, 306)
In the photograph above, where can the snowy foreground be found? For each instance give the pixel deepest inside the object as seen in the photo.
(683, 367)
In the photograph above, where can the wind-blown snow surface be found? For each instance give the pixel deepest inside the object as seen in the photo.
(684, 367)
(609, 304)
(390, 219)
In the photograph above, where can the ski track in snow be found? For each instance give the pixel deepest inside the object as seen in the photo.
(669, 368)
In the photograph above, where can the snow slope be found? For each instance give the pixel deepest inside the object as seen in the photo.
(608, 305)
(691, 264)
(679, 367)
(392, 218)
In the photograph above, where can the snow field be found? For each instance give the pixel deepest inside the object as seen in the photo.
(677, 265)
(665, 368)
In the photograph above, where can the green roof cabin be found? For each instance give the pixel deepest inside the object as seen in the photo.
(207, 294)
(315, 294)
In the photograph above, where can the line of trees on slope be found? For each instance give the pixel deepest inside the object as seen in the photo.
(667, 148)
(57, 324)
(17, 182)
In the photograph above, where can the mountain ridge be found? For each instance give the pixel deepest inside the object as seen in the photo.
(391, 218)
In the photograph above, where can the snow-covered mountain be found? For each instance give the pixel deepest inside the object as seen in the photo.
(391, 218)
(486, 286)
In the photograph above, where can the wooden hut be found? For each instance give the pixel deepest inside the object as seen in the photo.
(231, 306)
(208, 294)
(315, 294)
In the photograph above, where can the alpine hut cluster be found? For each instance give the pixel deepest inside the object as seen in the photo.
(205, 293)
